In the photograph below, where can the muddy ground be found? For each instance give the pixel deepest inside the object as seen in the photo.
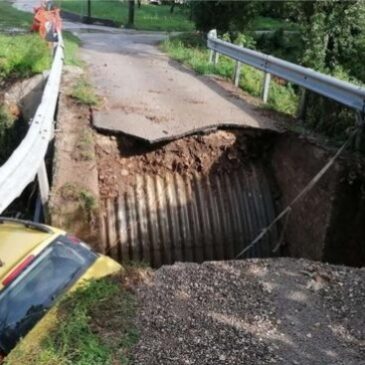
(274, 311)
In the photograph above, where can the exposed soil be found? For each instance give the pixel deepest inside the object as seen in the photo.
(121, 158)
(282, 311)
(75, 193)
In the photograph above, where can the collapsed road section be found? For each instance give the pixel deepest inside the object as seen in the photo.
(188, 196)
(198, 198)
(208, 196)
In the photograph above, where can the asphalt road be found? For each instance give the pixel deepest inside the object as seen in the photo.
(148, 95)
(153, 97)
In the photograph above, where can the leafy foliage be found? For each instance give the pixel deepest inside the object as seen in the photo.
(334, 42)
(225, 16)
(333, 33)
(282, 44)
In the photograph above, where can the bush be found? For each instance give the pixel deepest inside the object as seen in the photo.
(281, 44)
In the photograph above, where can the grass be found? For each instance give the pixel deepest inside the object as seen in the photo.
(25, 55)
(22, 56)
(94, 325)
(148, 17)
(11, 18)
(190, 49)
(72, 44)
(76, 193)
(84, 93)
(84, 149)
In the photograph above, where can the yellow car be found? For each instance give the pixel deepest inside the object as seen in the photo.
(38, 264)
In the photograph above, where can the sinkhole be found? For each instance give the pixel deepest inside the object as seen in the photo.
(208, 196)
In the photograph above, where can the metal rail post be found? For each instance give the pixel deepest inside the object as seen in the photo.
(343, 92)
(237, 72)
(266, 87)
(360, 123)
(302, 103)
(43, 184)
(212, 54)
(215, 58)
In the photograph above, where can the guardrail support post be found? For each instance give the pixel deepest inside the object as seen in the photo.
(43, 186)
(212, 54)
(215, 58)
(360, 123)
(237, 72)
(302, 103)
(266, 87)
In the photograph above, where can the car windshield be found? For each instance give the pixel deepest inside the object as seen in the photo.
(28, 297)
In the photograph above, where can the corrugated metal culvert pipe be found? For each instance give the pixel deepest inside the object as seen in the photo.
(161, 220)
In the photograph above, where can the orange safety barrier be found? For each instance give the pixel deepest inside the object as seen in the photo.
(47, 22)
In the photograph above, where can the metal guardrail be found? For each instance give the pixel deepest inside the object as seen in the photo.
(27, 160)
(343, 92)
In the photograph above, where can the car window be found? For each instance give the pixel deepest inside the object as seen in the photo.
(27, 299)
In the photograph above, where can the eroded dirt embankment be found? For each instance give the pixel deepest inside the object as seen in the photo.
(121, 158)
(275, 311)
(74, 198)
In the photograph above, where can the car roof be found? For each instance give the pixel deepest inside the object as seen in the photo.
(18, 239)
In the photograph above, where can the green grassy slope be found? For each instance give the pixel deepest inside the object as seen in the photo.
(190, 49)
(81, 335)
(148, 17)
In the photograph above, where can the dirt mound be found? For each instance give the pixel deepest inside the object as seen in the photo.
(120, 159)
(281, 311)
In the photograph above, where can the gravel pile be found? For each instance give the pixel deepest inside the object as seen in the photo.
(274, 311)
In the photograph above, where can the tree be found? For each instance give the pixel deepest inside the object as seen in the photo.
(334, 42)
(172, 7)
(131, 7)
(333, 33)
(89, 9)
(225, 16)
